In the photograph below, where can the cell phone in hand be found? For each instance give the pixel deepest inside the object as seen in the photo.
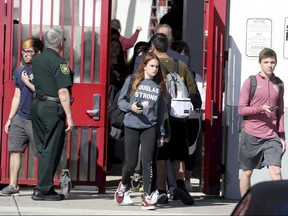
(138, 104)
(273, 108)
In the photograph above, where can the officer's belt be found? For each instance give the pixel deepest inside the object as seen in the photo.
(44, 97)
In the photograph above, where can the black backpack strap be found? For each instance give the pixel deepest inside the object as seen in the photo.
(280, 84)
(253, 85)
(280, 89)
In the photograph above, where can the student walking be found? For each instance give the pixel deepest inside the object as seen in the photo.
(176, 150)
(262, 140)
(19, 125)
(194, 121)
(143, 123)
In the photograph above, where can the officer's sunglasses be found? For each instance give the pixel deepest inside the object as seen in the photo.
(27, 52)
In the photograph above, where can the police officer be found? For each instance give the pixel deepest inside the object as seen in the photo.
(53, 82)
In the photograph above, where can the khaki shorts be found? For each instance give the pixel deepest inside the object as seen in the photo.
(20, 135)
(256, 153)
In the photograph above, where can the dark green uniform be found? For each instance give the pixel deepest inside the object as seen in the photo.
(51, 74)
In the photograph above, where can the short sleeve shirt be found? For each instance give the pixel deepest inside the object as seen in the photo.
(51, 73)
(24, 109)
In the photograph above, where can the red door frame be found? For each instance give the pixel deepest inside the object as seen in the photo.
(2, 47)
(213, 68)
(101, 88)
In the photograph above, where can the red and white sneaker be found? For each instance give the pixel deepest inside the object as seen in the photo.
(154, 197)
(122, 196)
(147, 203)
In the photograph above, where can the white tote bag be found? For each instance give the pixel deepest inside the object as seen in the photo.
(181, 107)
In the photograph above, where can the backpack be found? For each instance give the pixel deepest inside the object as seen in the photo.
(116, 116)
(179, 103)
(253, 86)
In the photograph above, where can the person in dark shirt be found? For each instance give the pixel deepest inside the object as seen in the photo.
(140, 48)
(119, 71)
(50, 111)
(176, 149)
(19, 125)
(193, 123)
(174, 18)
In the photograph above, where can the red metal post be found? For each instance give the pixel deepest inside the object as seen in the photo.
(104, 67)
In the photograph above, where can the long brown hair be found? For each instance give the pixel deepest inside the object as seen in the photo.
(140, 74)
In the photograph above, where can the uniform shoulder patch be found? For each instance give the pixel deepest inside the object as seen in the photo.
(65, 69)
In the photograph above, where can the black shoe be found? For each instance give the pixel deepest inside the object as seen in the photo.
(162, 199)
(173, 197)
(53, 192)
(50, 196)
(184, 196)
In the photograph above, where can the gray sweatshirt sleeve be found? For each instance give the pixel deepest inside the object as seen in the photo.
(123, 101)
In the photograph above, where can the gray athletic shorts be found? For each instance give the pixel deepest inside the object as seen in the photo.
(256, 153)
(20, 135)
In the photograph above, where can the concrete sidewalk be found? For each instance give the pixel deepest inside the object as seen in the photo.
(86, 201)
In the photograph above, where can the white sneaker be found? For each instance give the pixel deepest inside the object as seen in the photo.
(122, 196)
(10, 190)
(147, 203)
(188, 186)
(154, 197)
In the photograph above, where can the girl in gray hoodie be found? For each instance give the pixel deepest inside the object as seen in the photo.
(143, 123)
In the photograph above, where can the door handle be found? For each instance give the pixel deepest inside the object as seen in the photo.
(96, 107)
(94, 112)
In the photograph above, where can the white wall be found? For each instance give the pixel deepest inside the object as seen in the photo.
(251, 24)
(46, 17)
(239, 63)
(36, 12)
(132, 13)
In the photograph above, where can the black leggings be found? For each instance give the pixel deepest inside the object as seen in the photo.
(147, 138)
